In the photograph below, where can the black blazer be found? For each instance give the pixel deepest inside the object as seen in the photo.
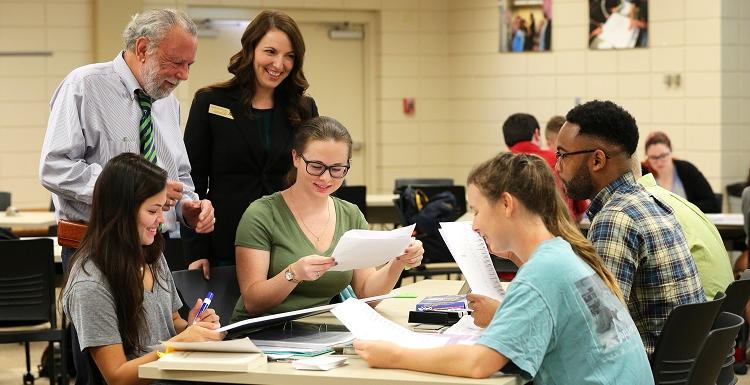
(231, 167)
(697, 188)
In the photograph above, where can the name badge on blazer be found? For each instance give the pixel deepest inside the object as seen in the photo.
(221, 111)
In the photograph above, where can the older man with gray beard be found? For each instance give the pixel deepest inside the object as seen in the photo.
(125, 105)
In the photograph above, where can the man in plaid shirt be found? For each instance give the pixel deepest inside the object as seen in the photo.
(636, 234)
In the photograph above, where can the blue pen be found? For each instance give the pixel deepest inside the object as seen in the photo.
(206, 303)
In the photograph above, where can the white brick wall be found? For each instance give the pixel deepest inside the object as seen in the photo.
(444, 53)
(27, 82)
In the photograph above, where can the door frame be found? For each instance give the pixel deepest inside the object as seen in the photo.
(368, 19)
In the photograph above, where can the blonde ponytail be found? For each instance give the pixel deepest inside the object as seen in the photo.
(529, 179)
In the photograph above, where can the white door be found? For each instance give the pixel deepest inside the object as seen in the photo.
(334, 69)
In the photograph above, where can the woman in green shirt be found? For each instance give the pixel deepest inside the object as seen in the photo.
(284, 240)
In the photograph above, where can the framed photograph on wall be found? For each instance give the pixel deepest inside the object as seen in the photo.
(525, 25)
(618, 24)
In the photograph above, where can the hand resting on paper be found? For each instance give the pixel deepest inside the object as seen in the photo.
(412, 256)
(312, 267)
(483, 307)
(378, 354)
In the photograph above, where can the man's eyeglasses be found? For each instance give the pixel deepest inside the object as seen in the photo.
(318, 168)
(561, 155)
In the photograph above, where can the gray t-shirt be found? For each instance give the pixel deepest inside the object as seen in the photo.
(89, 304)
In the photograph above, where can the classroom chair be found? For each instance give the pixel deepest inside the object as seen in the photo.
(354, 194)
(27, 301)
(681, 339)
(223, 283)
(710, 359)
(738, 293)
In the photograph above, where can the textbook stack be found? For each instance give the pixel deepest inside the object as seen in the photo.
(442, 303)
(221, 356)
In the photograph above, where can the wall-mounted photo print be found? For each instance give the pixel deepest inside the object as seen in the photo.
(525, 25)
(618, 24)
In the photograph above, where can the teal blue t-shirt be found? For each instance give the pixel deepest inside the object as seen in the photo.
(560, 324)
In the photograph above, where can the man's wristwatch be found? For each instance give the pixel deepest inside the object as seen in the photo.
(289, 275)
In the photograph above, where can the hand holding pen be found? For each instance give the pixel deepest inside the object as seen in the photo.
(204, 306)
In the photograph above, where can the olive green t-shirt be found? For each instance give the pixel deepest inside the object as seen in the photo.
(268, 224)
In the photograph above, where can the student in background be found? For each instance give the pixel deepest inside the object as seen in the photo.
(239, 132)
(521, 135)
(678, 176)
(637, 236)
(562, 320)
(284, 240)
(553, 128)
(703, 239)
(119, 292)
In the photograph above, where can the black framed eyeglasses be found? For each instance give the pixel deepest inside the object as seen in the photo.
(561, 155)
(318, 168)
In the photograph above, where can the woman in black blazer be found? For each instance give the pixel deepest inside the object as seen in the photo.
(239, 132)
(679, 176)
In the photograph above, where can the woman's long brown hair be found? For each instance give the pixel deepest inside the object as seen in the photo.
(292, 88)
(113, 244)
(529, 179)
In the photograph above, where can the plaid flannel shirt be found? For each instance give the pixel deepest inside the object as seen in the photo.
(643, 245)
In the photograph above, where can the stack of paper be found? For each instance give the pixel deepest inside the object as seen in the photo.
(359, 249)
(223, 356)
(300, 343)
(320, 363)
(470, 253)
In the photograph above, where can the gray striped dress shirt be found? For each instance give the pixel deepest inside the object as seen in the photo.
(94, 117)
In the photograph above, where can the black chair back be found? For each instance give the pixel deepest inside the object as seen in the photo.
(400, 184)
(681, 338)
(710, 360)
(4, 200)
(27, 298)
(223, 283)
(354, 194)
(738, 293)
(27, 285)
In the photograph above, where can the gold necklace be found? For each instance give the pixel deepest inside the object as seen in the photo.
(325, 227)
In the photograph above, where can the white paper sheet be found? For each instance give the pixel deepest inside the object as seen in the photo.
(291, 315)
(319, 363)
(366, 324)
(732, 219)
(465, 327)
(470, 253)
(358, 249)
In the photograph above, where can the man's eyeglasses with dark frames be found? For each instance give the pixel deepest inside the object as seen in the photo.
(561, 155)
(318, 168)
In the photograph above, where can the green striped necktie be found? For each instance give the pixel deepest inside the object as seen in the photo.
(148, 149)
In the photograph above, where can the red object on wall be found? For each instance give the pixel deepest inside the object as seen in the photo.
(409, 106)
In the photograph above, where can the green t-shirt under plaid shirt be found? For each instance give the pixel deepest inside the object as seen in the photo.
(643, 245)
(268, 224)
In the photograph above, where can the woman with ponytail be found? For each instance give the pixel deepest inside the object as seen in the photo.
(562, 320)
